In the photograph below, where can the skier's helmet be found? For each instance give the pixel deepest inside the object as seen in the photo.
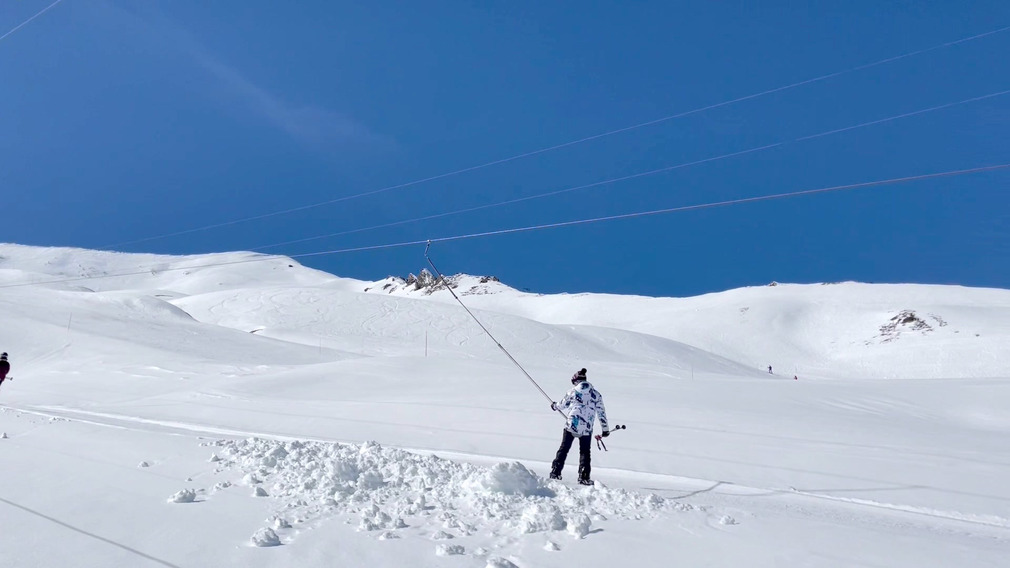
(3, 357)
(579, 376)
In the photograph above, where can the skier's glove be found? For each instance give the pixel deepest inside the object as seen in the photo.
(554, 406)
(606, 433)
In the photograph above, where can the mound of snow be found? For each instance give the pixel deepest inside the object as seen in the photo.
(499, 562)
(512, 479)
(183, 496)
(449, 550)
(390, 489)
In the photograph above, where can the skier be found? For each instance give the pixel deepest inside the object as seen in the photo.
(5, 367)
(582, 404)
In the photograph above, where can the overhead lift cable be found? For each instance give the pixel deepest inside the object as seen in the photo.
(571, 142)
(638, 175)
(441, 278)
(263, 258)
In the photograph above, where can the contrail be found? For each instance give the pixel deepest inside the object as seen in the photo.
(28, 21)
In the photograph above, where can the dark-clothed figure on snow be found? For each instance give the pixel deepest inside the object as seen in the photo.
(5, 367)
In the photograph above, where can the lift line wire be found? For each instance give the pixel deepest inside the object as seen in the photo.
(637, 175)
(262, 258)
(29, 20)
(569, 143)
(496, 342)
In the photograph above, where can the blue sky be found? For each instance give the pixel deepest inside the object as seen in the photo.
(126, 120)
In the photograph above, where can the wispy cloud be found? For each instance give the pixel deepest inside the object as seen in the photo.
(316, 126)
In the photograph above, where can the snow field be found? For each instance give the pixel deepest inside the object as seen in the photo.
(722, 464)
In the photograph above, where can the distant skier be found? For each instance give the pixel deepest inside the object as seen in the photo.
(5, 367)
(770, 370)
(582, 404)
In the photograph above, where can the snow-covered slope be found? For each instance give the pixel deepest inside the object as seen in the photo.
(133, 397)
(814, 330)
(103, 271)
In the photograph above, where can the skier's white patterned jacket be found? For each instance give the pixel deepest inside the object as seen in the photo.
(583, 404)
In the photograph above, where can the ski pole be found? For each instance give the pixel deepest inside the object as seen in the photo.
(599, 439)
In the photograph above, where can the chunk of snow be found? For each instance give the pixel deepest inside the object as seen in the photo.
(265, 537)
(183, 496)
(541, 517)
(579, 525)
(449, 550)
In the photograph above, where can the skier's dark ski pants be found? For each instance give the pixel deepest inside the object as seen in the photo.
(585, 445)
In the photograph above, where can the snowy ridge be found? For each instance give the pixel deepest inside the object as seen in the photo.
(426, 284)
(838, 330)
(193, 274)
